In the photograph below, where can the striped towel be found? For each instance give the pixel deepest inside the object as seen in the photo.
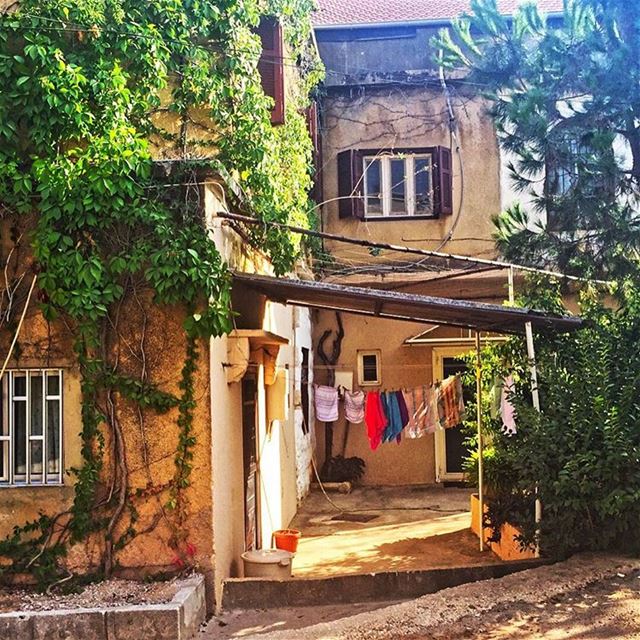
(354, 406)
(326, 403)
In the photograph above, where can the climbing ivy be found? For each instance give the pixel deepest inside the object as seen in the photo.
(91, 93)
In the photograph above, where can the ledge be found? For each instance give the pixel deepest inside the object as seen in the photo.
(179, 619)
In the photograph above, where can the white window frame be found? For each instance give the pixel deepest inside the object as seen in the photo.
(369, 383)
(7, 438)
(385, 182)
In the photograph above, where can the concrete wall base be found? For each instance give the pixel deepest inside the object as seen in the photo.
(179, 619)
(263, 593)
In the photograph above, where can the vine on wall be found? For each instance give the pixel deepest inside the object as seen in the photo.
(91, 91)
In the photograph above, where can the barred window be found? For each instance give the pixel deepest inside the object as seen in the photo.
(31, 427)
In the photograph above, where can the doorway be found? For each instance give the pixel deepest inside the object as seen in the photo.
(450, 446)
(250, 464)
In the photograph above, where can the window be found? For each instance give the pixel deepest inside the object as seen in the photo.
(369, 368)
(383, 184)
(31, 427)
(398, 185)
(271, 66)
(578, 172)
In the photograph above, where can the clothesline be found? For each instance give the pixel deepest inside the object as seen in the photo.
(415, 412)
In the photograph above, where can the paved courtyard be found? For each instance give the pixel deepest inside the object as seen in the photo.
(376, 529)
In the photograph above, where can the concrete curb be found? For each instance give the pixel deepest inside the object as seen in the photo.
(264, 593)
(179, 619)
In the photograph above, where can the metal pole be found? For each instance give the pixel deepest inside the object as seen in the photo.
(480, 461)
(536, 405)
(512, 289)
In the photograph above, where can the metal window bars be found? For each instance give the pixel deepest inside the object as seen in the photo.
(31, 427)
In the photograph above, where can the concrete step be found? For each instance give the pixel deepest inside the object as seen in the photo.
(265, 593)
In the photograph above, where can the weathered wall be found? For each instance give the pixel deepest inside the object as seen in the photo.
(280, 449)
(305, 442)
(411, 461)
(385, 118)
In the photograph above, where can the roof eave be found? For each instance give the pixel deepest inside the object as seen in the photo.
(439, 22)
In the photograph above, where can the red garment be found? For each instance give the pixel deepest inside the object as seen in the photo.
(375, 419)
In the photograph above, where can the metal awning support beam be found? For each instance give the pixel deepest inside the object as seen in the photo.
(535, 396)
(480, 442)
(410, 307)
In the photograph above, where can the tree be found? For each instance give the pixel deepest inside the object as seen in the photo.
(565, 96)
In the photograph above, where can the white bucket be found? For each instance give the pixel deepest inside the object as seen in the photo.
(267, 563)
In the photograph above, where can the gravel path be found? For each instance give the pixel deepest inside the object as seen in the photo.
(588, 596)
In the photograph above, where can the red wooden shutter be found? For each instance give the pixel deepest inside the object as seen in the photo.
(350, 184)
(271, 66)
(443, 182)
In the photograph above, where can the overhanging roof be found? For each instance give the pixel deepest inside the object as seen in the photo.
(404, 306)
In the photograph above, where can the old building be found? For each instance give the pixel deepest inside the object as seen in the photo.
(409, 157)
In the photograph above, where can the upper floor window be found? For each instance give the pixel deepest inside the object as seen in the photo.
(31, 427)
(579, 171)
(271, 66)
(378, 184)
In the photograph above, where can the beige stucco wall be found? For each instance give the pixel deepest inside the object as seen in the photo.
(407, 117)
(284, 451)
(388, 118)
(411, 461)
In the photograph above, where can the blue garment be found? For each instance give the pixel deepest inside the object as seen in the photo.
(394, 416)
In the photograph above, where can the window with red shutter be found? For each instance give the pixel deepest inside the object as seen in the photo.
(443, 193)
(271, 66)
(350, 191)
(379, 184)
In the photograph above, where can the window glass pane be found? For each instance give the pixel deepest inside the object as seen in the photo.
(35, 401)
(20, 437)
(398, 204)
(36, 461)
(19, 384)
(373, 186)
(424, 203)
(53, 384)
(53, 436)
(370, 368)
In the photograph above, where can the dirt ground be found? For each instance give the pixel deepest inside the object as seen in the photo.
(588, 597)
(607, 609)
(404, 529)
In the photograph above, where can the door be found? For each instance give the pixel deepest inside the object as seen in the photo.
(249, 454)
(450, 449)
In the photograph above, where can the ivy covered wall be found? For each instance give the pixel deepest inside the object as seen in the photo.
(91, 92)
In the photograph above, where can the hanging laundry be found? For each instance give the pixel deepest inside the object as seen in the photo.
(326, 403)
(375, 418)
(423, 411)
(404, 411)
(495, 398)
(507, 410)
(450, 402)
(394, 426)
(354, 406)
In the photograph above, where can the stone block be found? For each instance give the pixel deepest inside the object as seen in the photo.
(160, 622)
(78, 624)
(15, 626)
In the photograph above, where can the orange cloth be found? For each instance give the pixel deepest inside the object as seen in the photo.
(450, 402)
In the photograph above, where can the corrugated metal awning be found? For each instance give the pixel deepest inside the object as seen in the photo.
(411, 307)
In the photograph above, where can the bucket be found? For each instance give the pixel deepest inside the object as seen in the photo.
(287, 539)
(267, 563)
